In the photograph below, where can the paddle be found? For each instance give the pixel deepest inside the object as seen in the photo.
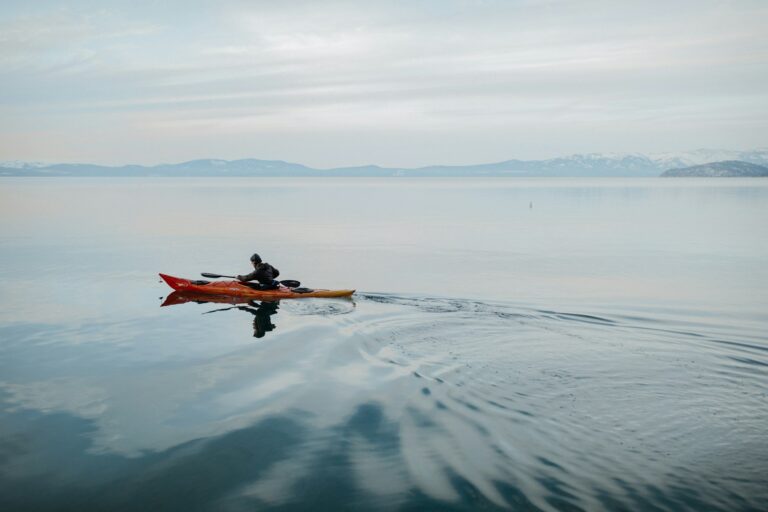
(290, 283)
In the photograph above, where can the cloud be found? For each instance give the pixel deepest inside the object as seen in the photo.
(250, 65)
(38, 40)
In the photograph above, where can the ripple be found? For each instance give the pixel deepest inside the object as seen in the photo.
(320, 307)
(596, 393)
(392, 402)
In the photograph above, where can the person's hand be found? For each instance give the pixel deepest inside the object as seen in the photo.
(240, 278)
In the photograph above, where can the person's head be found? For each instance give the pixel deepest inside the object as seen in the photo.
(255, 259)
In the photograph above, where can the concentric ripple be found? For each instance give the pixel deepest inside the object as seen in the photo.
(575, 410)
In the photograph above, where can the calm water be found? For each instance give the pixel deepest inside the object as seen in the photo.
(514, 344)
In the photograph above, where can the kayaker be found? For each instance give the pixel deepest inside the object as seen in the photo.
(263, 273)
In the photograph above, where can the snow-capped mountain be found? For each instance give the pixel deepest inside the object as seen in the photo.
(19, 164)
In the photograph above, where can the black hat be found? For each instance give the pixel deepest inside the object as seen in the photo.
(256, 258)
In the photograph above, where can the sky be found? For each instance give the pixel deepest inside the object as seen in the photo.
(394, 83)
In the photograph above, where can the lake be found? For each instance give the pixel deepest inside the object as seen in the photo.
(514, 344)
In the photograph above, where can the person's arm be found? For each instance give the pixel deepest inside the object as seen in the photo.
(247, 277)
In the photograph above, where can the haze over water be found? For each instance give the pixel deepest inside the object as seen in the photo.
(514, 344)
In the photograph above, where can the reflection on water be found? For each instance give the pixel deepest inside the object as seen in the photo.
(404, 402)
(527, 359)
(262, 311)
(262, 315)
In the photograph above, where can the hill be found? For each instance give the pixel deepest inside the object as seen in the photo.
(726, 169)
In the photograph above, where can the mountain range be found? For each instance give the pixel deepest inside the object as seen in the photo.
(578, 165)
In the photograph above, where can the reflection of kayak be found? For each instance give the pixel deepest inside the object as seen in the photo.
(177, 297)
(262, 312)
(238, 289)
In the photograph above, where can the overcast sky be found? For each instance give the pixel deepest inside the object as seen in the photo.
(393, 83)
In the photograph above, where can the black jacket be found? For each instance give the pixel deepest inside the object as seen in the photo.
(264, 273)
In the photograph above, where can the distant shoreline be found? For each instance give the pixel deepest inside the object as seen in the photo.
(593, 165)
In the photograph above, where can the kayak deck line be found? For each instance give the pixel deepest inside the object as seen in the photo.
(238, 289)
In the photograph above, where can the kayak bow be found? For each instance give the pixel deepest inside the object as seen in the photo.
(238, 289)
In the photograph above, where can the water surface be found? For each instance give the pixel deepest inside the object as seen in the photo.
(521, 344)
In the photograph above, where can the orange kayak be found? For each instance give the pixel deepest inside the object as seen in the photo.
(238, 289)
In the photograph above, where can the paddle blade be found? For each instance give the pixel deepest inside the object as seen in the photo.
(214, 276)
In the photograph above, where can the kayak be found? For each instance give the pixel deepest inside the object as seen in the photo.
(238, 289)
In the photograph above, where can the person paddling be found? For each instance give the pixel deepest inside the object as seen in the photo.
(263, 273)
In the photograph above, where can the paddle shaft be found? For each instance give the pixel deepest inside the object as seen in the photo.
(288, 282)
